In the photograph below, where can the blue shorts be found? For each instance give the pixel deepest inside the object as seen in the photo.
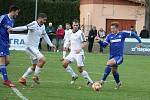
(118, 59)
(4, 51)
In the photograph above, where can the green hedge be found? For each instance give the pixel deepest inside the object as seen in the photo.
(58, 11)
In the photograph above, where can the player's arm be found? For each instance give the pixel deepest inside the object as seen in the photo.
(105, 42)
(30, 26)
(131, 33)
(136, 36)
(83, 44)
(47, 40)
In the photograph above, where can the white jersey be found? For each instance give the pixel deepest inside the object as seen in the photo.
(76, 40)
(67, 34)
(35, 32)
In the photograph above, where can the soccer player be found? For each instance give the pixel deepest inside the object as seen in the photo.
(77, 43)
(6, 22)
(68, 32)
(36, 30)
(116, 41)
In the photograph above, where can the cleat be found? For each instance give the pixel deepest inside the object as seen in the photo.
(101, 82)
(9, 83)
(36, 79)
(89, 84)
(73, 79)
(118, 85)
(22, 81)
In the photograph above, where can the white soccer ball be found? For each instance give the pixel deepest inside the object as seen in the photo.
(96, 86)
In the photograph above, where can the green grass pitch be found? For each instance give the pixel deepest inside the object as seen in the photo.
(55, 82)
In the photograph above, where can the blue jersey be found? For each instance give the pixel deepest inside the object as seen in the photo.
(5, 23)
(116, 42)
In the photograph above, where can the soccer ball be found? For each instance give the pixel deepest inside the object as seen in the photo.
(96, 86)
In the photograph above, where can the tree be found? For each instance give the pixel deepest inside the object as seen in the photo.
(147, 14)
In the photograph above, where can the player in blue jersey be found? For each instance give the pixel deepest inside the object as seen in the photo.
(6, 22)
(116, 41)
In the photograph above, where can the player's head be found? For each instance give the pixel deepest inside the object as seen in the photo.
(13, 11)
(50, 24)
(114, 28)
(75, 25)
(42, 17)
(67, 26)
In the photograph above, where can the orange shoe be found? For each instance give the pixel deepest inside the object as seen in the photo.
(36, 79)
(22, 81)
(9, 83)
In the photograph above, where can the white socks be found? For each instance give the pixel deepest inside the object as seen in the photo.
(70, 70)
(28, 72)
(86, 76)
(64, 54)
(37, 71)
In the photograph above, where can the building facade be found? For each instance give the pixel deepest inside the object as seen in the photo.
(102, 13)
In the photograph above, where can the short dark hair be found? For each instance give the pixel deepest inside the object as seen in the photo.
(42, 15)
(75, 20)
(13, 8)
(115, 24)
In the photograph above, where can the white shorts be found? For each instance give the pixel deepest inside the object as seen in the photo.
(34, 54)
(77, 57)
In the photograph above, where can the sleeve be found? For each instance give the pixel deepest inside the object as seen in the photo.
(136, 36)
(1, 18)
(30, 26)
(46, 38)
(3, 22)
(126, 34)
(131, 33)
(83, 39)
(107, 40)
(20, 28)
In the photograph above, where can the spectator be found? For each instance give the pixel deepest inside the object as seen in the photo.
(59, 37)
(101, 34)
(144, 33)
(50, 30)
(91, 36)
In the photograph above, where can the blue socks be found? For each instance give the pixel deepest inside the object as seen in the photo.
(3, 72)
(106, 72)
(116, 77)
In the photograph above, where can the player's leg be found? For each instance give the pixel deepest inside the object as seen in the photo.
(38, 68)
(118, 61)
(68, 69)
(28, 72)
(3, 70)
(84, 73)
(107, 70)
(64, 52)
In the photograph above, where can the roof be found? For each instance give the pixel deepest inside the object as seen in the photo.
(138, 1)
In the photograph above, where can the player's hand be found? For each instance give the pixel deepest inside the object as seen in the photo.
(10, 30)
(78, 51)
(54, 46)
(139, 45)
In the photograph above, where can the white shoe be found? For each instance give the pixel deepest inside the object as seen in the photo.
(73, 79)
(118, 85)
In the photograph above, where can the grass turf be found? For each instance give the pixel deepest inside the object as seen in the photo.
(134, 74)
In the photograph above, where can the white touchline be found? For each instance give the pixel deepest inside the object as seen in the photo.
(18, 93)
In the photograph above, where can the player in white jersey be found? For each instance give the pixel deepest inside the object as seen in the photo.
(77, 42)
(36, 30)
(68, 32)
